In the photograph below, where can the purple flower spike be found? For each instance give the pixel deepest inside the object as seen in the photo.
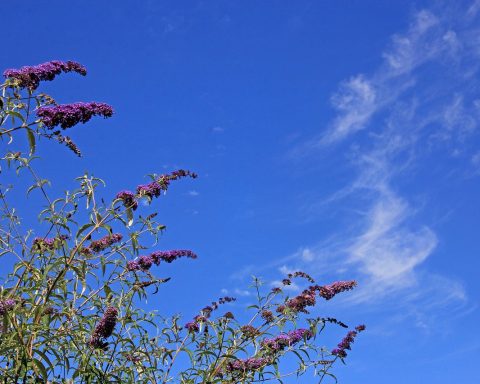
(105, 242)
(68, 115)
(170, 256)
(192, 327)
(30, 76)
(104, 328)
(329, 291)
(345, 344)
(6, 305)
(133, 266)
(251, 364)
(155, 188)
(129, 200)
(144, 263)
(284, 340)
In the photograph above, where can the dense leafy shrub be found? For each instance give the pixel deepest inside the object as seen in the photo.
(70, 309)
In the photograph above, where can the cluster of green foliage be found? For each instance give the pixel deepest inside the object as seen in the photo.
(70, 307)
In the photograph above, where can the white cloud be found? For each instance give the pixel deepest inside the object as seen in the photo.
(414, 47)
(241, 292)
(361, 97)
(307, 255)
(218, 129)
(356, 101)
(386, 251)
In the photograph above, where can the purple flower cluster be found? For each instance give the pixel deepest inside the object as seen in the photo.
(226, 299)
(128, 198)
(301, 302)
(329, 291)
(144, 263)
(345, 344)
(68, 115)
(31, 76)
(251, 364)
(229, 315)
(302, 275)
(332, 320)
(193, 326)
(308, 297)
(103, 243)
(156, 187)
(249, 331)
(69, 144)
(283, 340)
(170, 256)
(133, 358)
(267, 316)
(104, 328)
(6, 305)
(49, 244)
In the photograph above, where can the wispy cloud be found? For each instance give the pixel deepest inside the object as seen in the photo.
(419, 99)
(361, 97)
(218, 129)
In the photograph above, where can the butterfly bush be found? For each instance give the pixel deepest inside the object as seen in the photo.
(73, 288)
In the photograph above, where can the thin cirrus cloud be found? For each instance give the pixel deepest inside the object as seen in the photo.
(361, 97)
(419, 99)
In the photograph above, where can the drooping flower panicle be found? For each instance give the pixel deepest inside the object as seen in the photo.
(68, 115)
(249, 331)
(144, 263)
(128, 198)
(246, 365)
(307, 298)
(302, 275)
(284, 340)
(267, 316)
(156, 187)
(193, 326)
(170, 256)
(104, 328)
(6, 305)
(347, 341)
(105, 242)
(69, 143)
(47, 243)
(329, 291)
(31, 76)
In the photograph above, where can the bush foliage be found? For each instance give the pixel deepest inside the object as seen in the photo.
(71, 306)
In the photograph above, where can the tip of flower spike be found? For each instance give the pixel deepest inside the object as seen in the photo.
(68, 115)
(161, 184)
(144, 263)
(104, 328)
(31, 76)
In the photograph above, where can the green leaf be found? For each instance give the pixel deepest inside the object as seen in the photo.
(31, 141)
(14, 114)
(42, 369)
(129, 217)
(45, 358)
(83, 228)
(108, 291)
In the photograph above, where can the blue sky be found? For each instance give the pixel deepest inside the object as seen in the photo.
(336, 137)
